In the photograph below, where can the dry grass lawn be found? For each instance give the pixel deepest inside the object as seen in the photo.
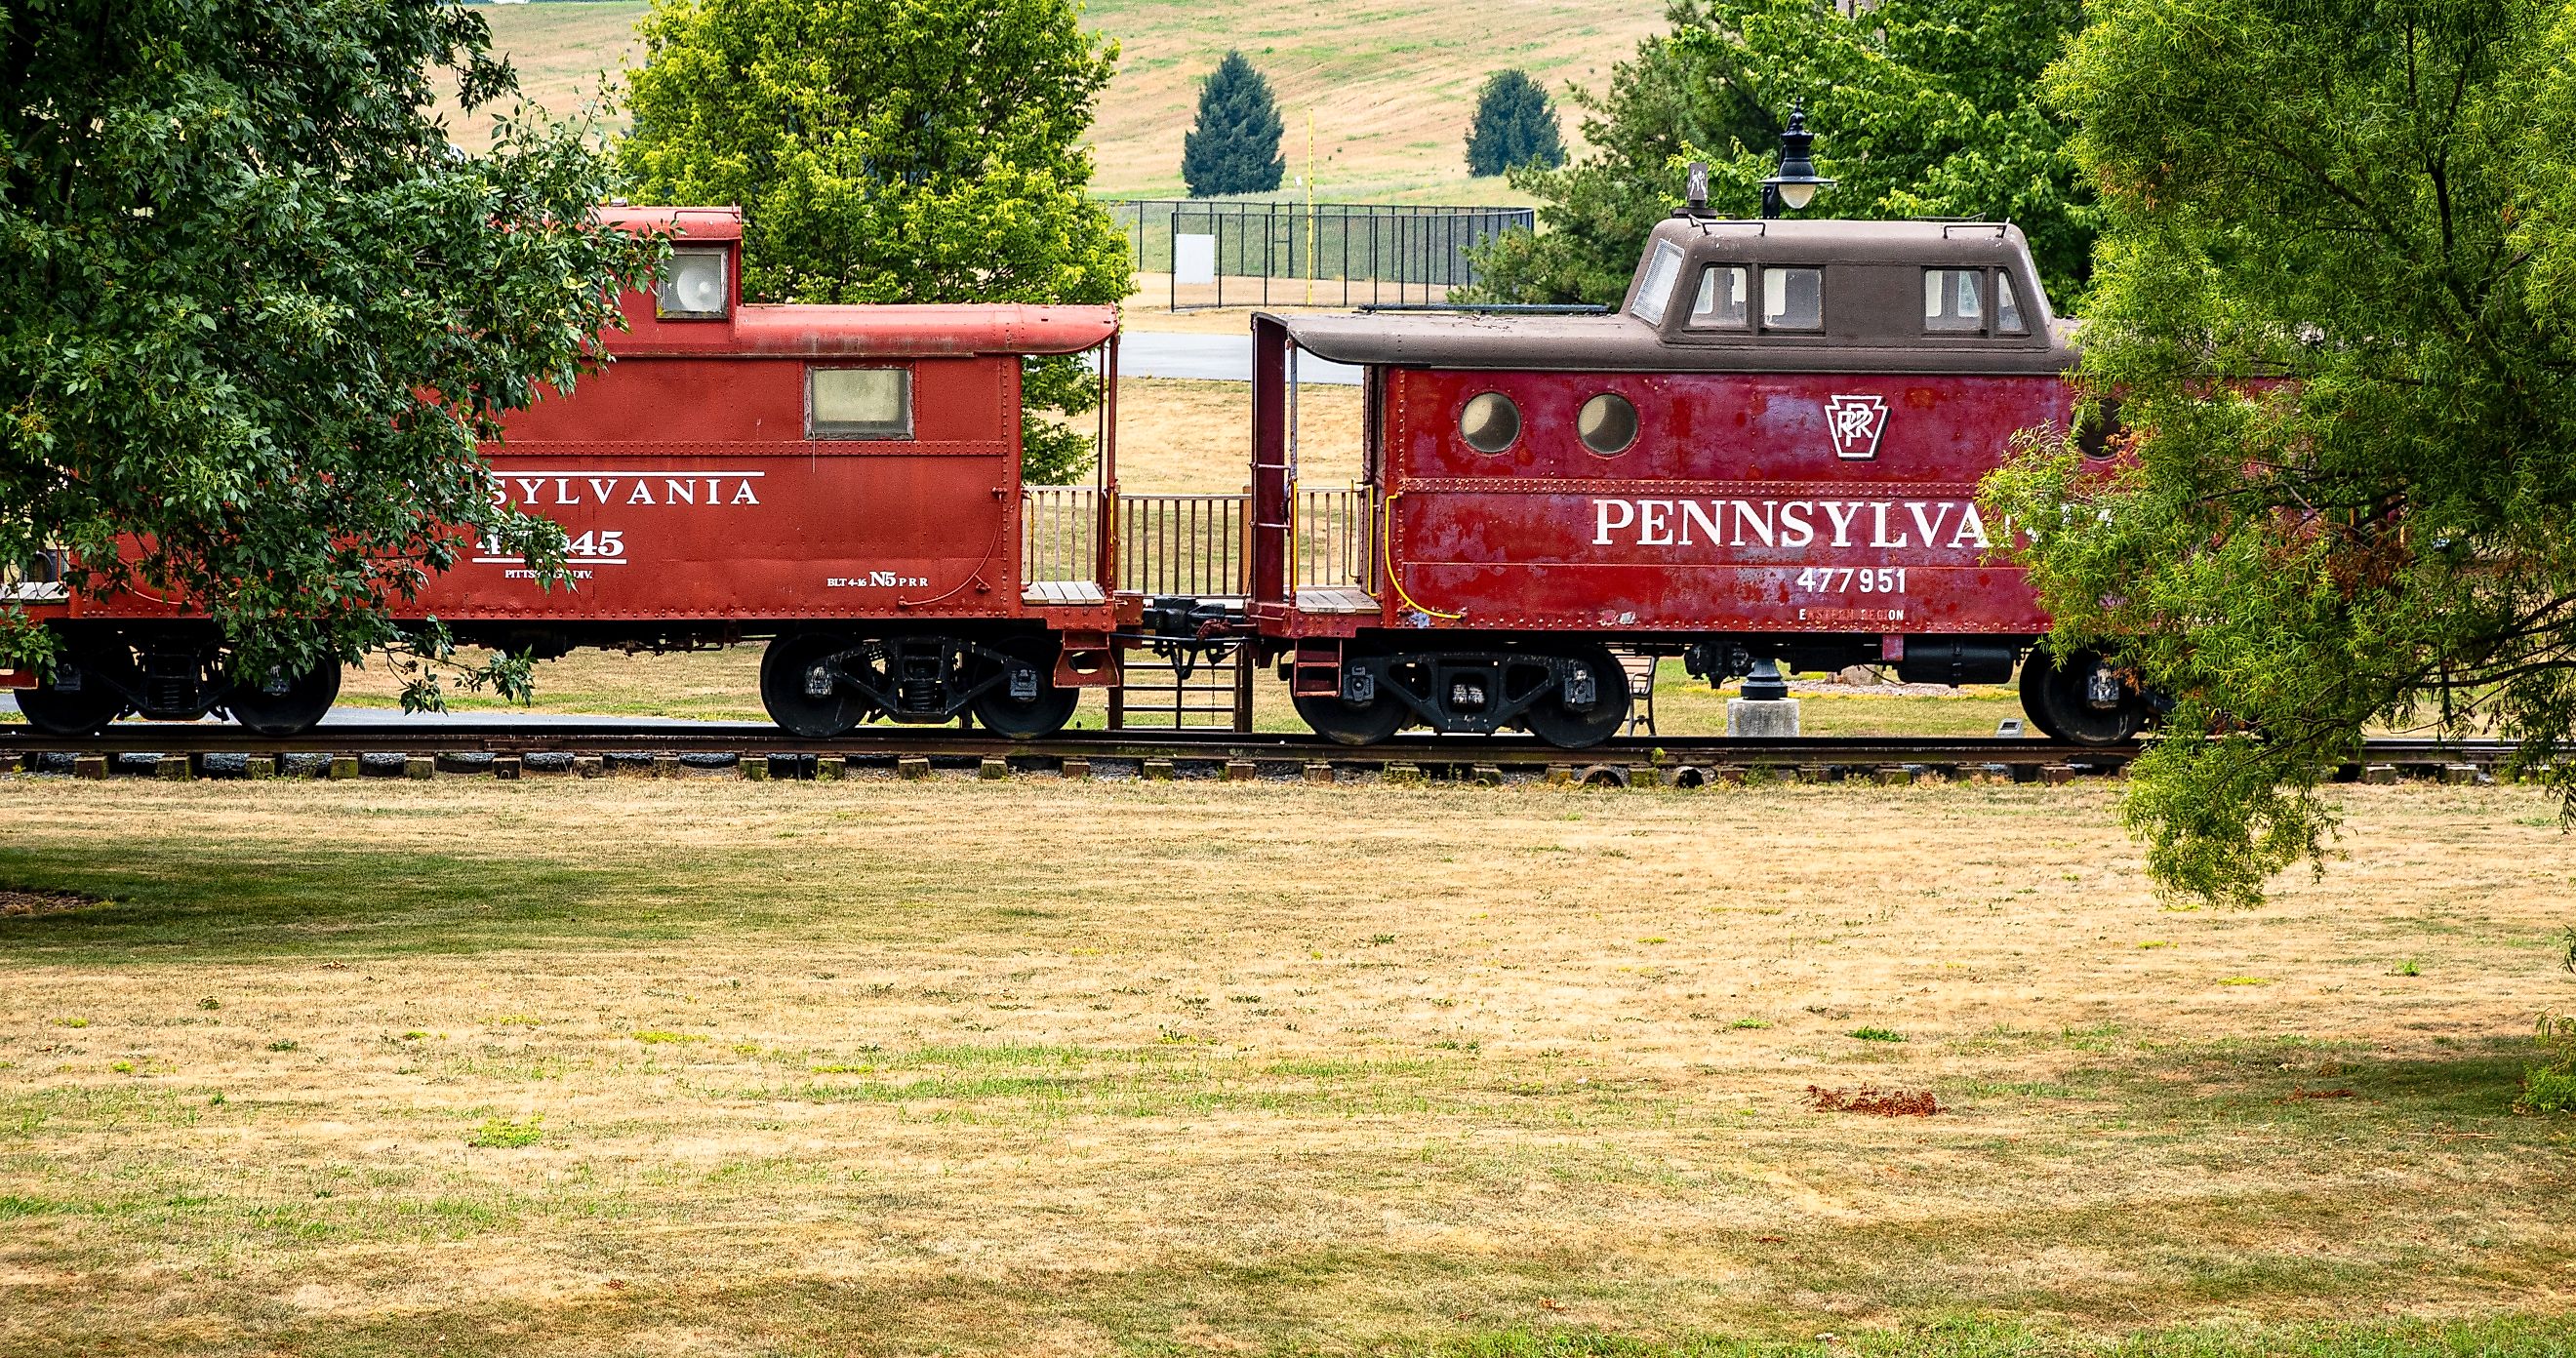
(649, 1068)
(1179, 436)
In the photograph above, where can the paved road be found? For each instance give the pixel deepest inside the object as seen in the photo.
(1215, 358)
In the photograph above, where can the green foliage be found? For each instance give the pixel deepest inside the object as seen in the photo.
(2334, 299)
(1876, 1034)
(1515, 125)
(2550, 1087)
(1921, 108)
(256, 311)
(1234, 146)
(892, 151)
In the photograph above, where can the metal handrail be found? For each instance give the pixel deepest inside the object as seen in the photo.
(1060, 535)
(1331, 544)
(1193, 544)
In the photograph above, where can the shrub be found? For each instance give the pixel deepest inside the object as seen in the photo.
(2550, 1087)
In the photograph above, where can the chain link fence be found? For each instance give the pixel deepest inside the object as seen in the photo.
(1206, 253)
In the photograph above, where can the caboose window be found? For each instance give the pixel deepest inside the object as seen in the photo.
(1607, 424)
(1656, 291)
(2007, 312)
(1722, 299)
(693, 286)
(1490, 422)
(858, 403)
(1953, 301)
(1793, 299)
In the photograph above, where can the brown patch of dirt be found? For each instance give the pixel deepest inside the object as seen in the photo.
(2308, 1095)
(1878, 1103)
(15, 904)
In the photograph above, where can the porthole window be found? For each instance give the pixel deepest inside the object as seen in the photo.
(2098, 430)
(1490, 422)
(1607, 424)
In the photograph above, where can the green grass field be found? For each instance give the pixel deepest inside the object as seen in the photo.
(1388, 87)
(640, 1067)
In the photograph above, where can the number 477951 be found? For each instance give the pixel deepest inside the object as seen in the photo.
(1847, 579)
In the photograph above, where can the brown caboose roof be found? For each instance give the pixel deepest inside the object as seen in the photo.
(1873, 311)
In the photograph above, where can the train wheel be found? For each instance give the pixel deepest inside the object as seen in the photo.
(2036, 675)
(287, 707)
(801, 685)
(1551, 719)
(82, 711)
(2083, 699)
(1349, 723)
(1047, 708)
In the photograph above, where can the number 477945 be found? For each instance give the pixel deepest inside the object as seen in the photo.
(1849, 579)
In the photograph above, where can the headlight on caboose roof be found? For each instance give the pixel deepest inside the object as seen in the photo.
(693, 286)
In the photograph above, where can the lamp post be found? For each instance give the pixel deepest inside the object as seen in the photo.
(1794, 185)
(1789, 189)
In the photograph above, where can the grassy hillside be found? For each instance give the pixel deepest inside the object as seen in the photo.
(1389, 85)
(560, 51)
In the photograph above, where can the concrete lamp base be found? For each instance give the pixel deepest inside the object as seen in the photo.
(1776, 718)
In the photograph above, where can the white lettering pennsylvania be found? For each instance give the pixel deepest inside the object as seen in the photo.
(1942, 525)
(562, 489)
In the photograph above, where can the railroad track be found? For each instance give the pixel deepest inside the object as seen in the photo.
(755, 750)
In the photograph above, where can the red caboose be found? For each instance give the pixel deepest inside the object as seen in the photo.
(842, 479)
(1771, 451)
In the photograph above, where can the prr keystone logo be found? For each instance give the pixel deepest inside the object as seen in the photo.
(1856, 422)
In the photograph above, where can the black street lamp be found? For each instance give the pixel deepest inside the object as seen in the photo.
(1795, 185)
(1790, 189)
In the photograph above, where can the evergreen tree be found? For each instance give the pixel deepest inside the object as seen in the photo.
(1235, 147)
(1515, 125)
(901, 151)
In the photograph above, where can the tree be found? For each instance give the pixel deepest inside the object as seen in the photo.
(2337, 306)
(893, 151)
(1515, 125)
(256, 311)
(1922, 108)
(1234, 148)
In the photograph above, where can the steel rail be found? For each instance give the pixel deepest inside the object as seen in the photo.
(746, 740)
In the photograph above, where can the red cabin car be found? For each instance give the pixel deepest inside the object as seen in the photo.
(1771, 451)
(844, 480)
